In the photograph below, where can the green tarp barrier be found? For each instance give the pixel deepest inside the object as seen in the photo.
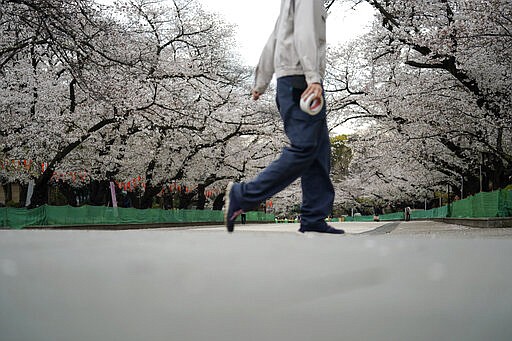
(362, 218)
(392, 216)
(100, 215)
(21, 217)
(481, 205)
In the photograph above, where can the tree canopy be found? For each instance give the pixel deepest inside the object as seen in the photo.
(152, 95)
(143, 89)
(431, 86)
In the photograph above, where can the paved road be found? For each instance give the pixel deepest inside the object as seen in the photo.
(436, 230)
(421, 281)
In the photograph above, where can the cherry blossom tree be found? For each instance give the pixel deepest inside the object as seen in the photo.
(46, 44)
(143, 89)
(431, 86)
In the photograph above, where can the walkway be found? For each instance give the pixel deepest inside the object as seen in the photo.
(206, 284)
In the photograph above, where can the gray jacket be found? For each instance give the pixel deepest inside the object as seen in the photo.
(296, 46)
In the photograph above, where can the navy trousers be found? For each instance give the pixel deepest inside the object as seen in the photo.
(308, 156)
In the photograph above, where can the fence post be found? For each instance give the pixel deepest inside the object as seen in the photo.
(4, 217)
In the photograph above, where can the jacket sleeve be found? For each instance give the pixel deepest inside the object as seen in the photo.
(265, 68)
(306, 33)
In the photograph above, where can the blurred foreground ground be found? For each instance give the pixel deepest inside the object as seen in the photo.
(406, 281)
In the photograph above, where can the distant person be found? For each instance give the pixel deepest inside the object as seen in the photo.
(407, 213)
(377, 211)
(295, 53)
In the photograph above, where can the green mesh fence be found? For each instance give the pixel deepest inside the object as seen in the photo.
(392, 216)
(21, 217)
(481, 205)
(362, 218)
(97, 215)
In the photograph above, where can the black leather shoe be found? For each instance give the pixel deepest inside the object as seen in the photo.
(326, 229)
(232, 209)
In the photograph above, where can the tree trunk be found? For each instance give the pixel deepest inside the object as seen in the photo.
(201, 198)
(23, 194)
(150, 192)
(99, 192)
(7, 192)
(186, 200)
(218, 203)
(40, 196)
(69, 192)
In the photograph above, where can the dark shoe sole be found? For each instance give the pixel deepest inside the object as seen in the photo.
(329, 230)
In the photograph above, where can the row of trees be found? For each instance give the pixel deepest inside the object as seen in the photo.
(154, 89)
(141, 88)
(431, 85)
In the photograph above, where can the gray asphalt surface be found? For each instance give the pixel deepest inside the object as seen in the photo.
(422, 281)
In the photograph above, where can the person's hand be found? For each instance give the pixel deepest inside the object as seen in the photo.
(313, 88)
(256, 95)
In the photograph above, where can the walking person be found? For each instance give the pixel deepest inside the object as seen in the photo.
(295, 53)
(377, 211)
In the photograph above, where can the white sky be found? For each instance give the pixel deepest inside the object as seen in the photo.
(255, 21)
